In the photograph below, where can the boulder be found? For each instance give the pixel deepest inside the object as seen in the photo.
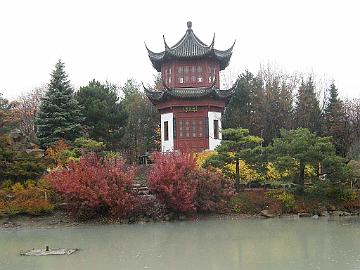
(315, 216)
(265, 213)
(304, 214)
(340, 213)
(324, 214)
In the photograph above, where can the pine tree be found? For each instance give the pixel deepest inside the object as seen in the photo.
(105, 117)
(238, 111)
(335, 124)
(59, 115)
(307, 109)
(4, 113)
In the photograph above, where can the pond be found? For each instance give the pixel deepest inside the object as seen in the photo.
(213, 243)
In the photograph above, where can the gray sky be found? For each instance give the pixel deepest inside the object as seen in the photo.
(105, 39)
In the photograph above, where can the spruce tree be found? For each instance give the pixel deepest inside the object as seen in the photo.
(59, 115)
(335, 124)
(105, 117)
(307, 109)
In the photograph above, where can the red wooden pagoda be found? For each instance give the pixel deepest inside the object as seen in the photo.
(190, 102)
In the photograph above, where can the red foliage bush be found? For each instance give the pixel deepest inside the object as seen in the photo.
(213, 192)
(169, 179)
(96, 186)
(183, 187)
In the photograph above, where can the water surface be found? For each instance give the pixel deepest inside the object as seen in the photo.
(271, 244)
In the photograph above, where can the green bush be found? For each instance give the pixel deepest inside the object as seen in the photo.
(331, 193)
(341, 194)
(286, 199)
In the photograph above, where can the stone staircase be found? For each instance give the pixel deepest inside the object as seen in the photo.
(142, 190)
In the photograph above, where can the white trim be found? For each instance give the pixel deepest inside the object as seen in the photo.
(169, 144)
(214, 142)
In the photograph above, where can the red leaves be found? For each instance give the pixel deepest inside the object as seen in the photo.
(169, 180)
(96, 186)
(183, 187)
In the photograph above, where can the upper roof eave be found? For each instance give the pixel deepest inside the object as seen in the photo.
(189, 46)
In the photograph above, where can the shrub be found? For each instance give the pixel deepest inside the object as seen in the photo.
(6, 185)
(249, 202)
(96, 186)
(20, 200)
(331, 193)
(183, 187)
(213, 192)
(341, 194)
(286, 199)
(17, 188)
(171, 181)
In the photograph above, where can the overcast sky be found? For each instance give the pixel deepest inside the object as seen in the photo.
(105, 39)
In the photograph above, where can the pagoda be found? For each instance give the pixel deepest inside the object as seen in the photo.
(190, 100)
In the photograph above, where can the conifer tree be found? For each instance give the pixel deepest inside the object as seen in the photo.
(105, 116)
(307, 109)
(59, 115)
(335, 124)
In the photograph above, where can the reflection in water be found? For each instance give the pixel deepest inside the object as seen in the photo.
(208, 244)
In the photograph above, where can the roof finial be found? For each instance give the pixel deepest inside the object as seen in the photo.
(189, 24)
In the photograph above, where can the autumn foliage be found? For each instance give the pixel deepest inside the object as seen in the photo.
(183, 187)
(93, 187)
(31, 199)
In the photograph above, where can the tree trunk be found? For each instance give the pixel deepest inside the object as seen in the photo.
(302, 174)
(237, 175)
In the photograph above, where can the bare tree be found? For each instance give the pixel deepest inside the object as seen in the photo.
(25, 108)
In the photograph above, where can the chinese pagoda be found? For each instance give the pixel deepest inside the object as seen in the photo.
(190, 101)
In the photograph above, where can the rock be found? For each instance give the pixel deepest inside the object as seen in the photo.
(182, 217)
(265, 213)
(39, 153)
(324, 214)
(340, 213)
(132, 220)
(169, 216)
(331, 208)
(10, 224)
(304, 215)
(345, 214)
(315, 216)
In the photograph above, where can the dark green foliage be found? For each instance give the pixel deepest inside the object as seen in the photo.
(239, 110)
(143, 122)
(262, 103)
(237, 144)
(297, 148)
(105, 117)
(16, 165)
(307, 109)
(59, 115)
(336, 123)
(5, 115)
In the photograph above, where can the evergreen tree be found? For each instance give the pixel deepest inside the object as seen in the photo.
(238, 111)
(277, 108)
(246, 108)
(105, 117)
(335, 123)
(307, 110)
(142, 129)
(59, 115)
(4, 113)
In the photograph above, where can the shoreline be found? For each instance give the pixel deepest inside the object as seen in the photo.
(60, 219)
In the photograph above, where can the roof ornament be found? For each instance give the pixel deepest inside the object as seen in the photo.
(165, 44)
(212, 42)
(189, 24)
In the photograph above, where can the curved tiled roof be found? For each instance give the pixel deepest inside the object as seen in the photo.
(157, 96)
(190, 46)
